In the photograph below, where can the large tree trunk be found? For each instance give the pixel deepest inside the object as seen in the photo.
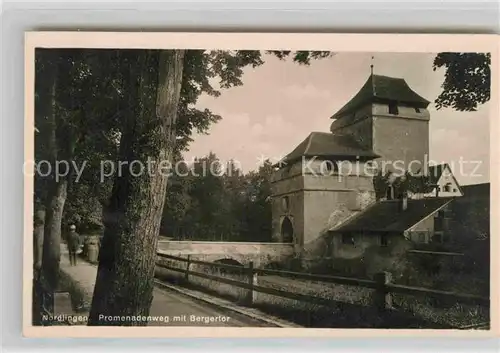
(38, 232)
(37, 302)
(124, 285)
(60, 147)
(56, 197)
(52, 234)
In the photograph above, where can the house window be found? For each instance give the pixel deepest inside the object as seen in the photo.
(417, 110)
(421, 237)
(438, 224)
(384, 240)
(455, 190)
(347, 239)
(447, 187)
(393, 108)
(437, 238)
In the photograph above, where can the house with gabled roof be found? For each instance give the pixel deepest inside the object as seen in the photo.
(324, 199)
(443, 182)
(391, 223)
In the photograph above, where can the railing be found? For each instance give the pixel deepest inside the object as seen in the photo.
(382, 284)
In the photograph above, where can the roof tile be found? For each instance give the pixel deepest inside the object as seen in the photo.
(328, 145)
(386, 216)
(383, 88)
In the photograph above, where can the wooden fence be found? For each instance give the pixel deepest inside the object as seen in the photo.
(381, 284)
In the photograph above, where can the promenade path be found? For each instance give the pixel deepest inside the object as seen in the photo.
(169, 308)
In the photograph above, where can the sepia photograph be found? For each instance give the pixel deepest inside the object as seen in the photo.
(219, 187)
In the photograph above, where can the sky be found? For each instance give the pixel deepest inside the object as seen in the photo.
(281, 102)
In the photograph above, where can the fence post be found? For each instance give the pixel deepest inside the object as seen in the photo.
(382, 297)
(249, 296)
(188, 263)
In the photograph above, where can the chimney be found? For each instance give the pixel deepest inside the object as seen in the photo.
(404, 201)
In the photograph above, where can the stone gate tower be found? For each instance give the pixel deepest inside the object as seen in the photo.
(387, 116)
(328, 177)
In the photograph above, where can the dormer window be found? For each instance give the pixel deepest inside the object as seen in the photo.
(393, 108)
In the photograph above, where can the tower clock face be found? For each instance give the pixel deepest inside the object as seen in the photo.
(285, 203)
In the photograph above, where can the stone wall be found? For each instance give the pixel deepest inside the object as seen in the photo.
(404, 136)
(366, 256)
(261, 254)
(401, 139)
(358, 125)
(318, 199)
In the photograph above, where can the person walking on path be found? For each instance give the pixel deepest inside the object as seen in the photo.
(73, 244)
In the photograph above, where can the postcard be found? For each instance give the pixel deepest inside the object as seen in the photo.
(260, 185)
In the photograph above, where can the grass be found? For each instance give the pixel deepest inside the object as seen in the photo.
(351, 307)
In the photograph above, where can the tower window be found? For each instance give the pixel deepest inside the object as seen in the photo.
(331, 166)
(285, 203)
(393, 108)
(384, 241)
(371, 167)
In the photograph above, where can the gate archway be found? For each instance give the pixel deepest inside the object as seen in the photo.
(287, 230)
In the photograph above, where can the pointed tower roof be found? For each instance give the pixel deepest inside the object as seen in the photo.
(380, 88)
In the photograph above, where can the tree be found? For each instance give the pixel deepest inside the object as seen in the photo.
(124, 284)
(88, 99)
(204, 67)
(178, 202)
(226, 205)
(467, 80)
(409, 184)
(73, 104)
(381, 183)
(258, 213)
(72, 107)
(56, 189)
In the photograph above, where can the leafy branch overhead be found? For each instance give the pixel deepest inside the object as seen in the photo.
(467, 80)
(403, 184)
(206, 69)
